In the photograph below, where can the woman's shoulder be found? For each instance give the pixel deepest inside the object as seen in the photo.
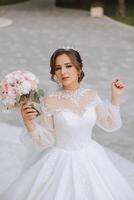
(48, 100)
(51, 97)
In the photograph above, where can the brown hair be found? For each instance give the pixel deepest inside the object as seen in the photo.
(74, 57)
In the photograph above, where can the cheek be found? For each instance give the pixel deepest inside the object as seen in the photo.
(74, 72)
(58, 76)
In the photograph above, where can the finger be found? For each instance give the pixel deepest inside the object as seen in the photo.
(25, 113)
(30, 110)
(30, 114)
(31, 118)
(119, 87)
(115, 82)
(25, 109)
(119, 81)
(26, 106)
(120, 84)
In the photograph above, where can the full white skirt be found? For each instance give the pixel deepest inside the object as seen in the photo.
(92, 173)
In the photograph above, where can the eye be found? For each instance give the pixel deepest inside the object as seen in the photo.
(57, 68)
(68, 66)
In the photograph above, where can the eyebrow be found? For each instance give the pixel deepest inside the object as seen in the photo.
(64, 64)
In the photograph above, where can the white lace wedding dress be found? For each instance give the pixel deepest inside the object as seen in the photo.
(63, 162)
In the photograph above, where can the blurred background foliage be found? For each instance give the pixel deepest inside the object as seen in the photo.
(5, 2)
(121, 10)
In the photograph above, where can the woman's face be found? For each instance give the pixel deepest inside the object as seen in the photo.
(65, 71)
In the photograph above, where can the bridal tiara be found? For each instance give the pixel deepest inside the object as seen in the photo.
(67, 47)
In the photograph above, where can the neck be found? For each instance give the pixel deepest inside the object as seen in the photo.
(71, 87)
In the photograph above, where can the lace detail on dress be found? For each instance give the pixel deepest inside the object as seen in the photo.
(73, 96)
(51, 111)
(76, 101)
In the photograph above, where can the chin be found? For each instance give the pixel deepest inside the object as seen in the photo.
(69, 82)
(65, 84)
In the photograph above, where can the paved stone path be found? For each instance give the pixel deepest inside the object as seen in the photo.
(107, 49)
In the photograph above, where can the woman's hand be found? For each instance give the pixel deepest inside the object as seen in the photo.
(117, 89)
(28, 113)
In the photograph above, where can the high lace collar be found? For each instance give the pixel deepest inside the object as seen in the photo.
(73, 95)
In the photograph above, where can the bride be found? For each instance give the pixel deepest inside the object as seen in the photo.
(70, 164)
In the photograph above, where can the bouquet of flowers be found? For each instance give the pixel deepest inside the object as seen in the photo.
(20, 87)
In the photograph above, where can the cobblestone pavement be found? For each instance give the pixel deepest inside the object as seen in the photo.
(107, 49)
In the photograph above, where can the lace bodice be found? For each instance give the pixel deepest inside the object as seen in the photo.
(69, 116)
(67, 100)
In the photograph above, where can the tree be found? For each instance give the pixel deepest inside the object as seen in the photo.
(121, 8)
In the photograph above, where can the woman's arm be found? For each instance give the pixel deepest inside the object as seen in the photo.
(108, 113)
(117, 89)
(28, 115)
(41, 133)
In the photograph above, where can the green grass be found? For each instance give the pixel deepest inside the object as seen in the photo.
(6, 2)
(128, 19)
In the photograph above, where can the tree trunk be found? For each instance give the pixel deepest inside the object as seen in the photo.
(59, 3)
(121, 8)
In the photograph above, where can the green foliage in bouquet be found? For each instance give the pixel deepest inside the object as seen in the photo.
(33, 95)
(33, 98)
(36, 95)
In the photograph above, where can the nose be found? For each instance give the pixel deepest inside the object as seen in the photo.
(63, 70)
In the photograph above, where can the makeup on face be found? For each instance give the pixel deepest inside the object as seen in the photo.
(65, 70)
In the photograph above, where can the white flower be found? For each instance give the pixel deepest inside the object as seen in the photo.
(29, 76)
(10, 78)
(19, 77)
(10, 93)
(26, 87)
(8, 101)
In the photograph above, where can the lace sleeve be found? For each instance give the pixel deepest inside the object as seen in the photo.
(43, 134)
(108, 115)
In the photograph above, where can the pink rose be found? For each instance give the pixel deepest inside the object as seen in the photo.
(5, 88)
